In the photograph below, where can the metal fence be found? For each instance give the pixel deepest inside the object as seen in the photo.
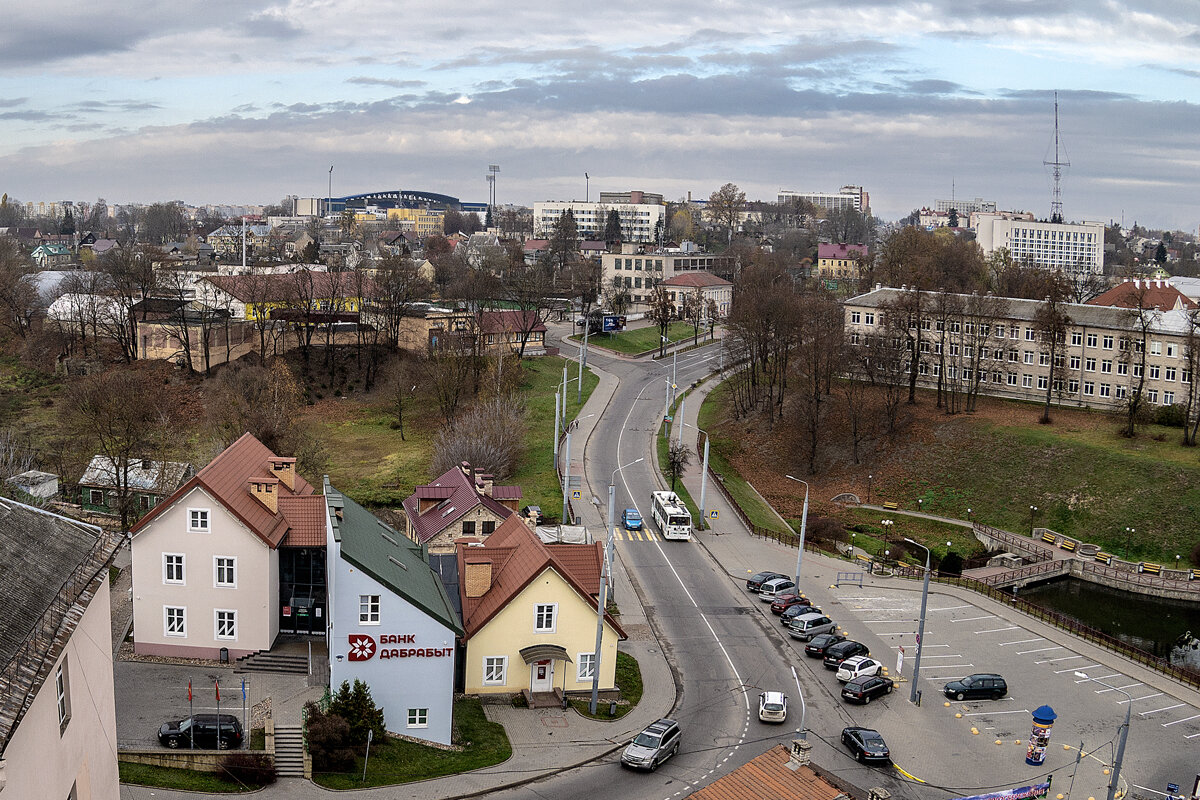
(1014, 542)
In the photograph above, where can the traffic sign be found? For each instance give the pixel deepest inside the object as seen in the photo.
(714, 514)
(575, 495)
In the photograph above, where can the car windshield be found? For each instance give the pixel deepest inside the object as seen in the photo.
(773, 706)
(633, 514)
(967, 681)
(646, 740)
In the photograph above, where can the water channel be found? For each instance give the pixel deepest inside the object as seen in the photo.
(1156, 625)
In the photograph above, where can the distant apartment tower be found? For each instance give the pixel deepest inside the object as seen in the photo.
(1073, 249)
(639, 221)
(847, 197)
(964, 207)
(633, 196)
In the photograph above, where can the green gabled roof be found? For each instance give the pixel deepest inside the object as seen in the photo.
(389, 557)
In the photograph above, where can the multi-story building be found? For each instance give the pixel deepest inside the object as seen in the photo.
(964, 207)
(421, 221)
(633, 196)
(640, 222)
(1074, 249)
(639, 270)
(714, 290)
(839, 261)
(995, 345)
(847, 197)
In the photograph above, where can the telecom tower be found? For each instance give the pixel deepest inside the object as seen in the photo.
(1056, 168)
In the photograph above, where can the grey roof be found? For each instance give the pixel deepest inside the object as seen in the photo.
(161, 477)
(446, 567)
(388, 556)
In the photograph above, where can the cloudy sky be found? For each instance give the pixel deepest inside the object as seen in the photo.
(246, 101)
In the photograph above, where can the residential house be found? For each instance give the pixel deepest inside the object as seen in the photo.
(102, 246)
(317, 295)
(227, 240)
(148, 482)
(460, 503)
(49, 256)
(58, 717)
(391, 623)
(779, 772)
(1150, 294)
(427, 327)
(711, 288)
(529, 615)
(505, 331)
(42, 485)
(839, 262)
(229, 560)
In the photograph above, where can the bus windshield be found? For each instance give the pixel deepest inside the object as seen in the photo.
(682, 521)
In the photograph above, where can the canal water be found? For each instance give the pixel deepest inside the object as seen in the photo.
(1157, 625)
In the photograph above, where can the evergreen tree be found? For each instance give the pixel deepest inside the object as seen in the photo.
(357, 707)
(68, 223)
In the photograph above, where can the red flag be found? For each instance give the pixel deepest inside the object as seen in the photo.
(218, 691)
(189, 690)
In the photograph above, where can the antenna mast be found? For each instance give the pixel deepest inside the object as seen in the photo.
(1056, 166)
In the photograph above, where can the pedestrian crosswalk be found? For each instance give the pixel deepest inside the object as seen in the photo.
(636, 536)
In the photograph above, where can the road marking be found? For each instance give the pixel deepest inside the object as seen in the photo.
(1039, 650)
(1071, 669)
(1155, 711)
(879, 621)
(997, 630)
(1136, 699)
(897, 647)
(973, 619)
(948, 608)
(1176, 722)
(951, 666)
(992, 713)
(1118, 688)
(1062, 658)
(955, 655)
(1022, 641)
(1192, 735)
(1102, 677)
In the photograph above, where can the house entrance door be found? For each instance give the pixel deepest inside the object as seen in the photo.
(543, 676)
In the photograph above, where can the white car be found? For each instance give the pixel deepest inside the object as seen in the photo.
(772, 707)
(856, 667)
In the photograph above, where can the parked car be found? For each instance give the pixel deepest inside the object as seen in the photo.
(775, 587)
(866, 744)
(631, 518)
(806, 626)
(790, 600)
(798, 611)
(203, 731)
(818, 644)
(772, 707)
(653, 746)
(982, 686)
(867, 687)
(534, 513)
(857, 666)
(836, 654)
(755, 581)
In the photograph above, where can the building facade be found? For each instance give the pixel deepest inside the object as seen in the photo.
(715, 293)
(965, 207)
(846, 198)
(1075, 250)
(638, 270)
(640, 222)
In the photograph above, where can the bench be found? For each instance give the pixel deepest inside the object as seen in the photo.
(1104, 558)
(1150, 569)
(1194, 574)
(1047, 536)
(891, 505)
(1068, 545)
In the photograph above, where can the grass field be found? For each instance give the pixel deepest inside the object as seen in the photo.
(628, 680)
(184, 779)
(395, 761)
(639, 340)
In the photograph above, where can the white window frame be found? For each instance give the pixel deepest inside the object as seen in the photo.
(1091, 340)
(167, 621)
(1168, 398)
(1026, 381)
(62, 692)
(217, 612)
(369, 602)
(583, 673)
(182, 579)
(217, 582)
(490, 666)
(418, 718)
(193, 515)
(537, 613)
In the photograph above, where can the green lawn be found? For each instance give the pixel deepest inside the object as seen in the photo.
(628, 680)
(869, 535)
(639, 340)
(394, 761)
(184, 779)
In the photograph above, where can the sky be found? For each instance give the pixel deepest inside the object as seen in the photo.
(246, 101)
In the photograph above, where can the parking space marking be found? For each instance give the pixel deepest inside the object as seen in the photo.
(1192, 735)
(988, 713)
(1117, 688)
(948, 608)
(973, 619)
(1021, 641)
(997, 630)
(950, 666)
(1100, 678)
(1176, 722)
(1136, 699)
(1039, 650)
(955, 655)
(1155, 711)
(1069, 669)
(880, 621)
(1062, 658)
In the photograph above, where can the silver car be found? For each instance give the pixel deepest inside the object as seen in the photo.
(653, 746)
(806, 626)
(774, 587)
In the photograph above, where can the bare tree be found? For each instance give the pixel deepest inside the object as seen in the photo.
(448, 371)
(18, 297)
(679, 456)
(490, 435)
(726, 206)
(1191, 367)
(661, 312)
(693, 311)
(983, 313)
(1052, 322)
(530, 289)
(1141, 319)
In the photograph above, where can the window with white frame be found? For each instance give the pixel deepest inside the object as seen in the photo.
(1075, 362)
(855, 317)
(854, 339)
(495, 669)
(1012, 379)
(1152, 395)
(1073, 386)
(226, 623)
(1027, 381)
(198, 520)
(1154, 372)
(997, 377)
(544, 617)
(173, 568)
(1030, 334)
(1076, 338)
(62, 690)
(1168, 373)
(1014, 356)
(1108, 342)
(999, 331)
(1014, 332)
(1043, 359)
(225, 571)
(1156, 348)
(1185, 375)
(586, 667)
(1043, 382)
(1105, 390)
(1122, 368)
(1121, 392)
(175, 620)
(418, 718)
(1106, 366)
(368, 609)
(1168, 398)
(1091, 340)
(869, 318)
(1137, 370)
(1172, 350)
(1089, 388)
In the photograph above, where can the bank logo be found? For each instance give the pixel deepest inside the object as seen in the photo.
(362, 647)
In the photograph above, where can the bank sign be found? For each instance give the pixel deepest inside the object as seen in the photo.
(364, 648)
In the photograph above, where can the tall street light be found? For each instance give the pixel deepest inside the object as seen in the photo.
(1112, 785)
(674, 363)
(605, 576)
(803, 524)
(803, 706)
(704, 475)
(912, 697)
(1032, 514)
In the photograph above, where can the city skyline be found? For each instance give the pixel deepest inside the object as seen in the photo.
(244, 103)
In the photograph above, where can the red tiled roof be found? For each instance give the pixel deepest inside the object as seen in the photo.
(1153, 294)
(827, 250)
(536, 245)
(225, 480)
(696, 280)
(288, 287)
(506, 492)
(518, 556)
(305, 515)
(769, 776)
(508, 322)
(462, 498)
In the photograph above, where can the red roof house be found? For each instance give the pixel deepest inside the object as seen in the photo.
(460, 503)
(1157, 294)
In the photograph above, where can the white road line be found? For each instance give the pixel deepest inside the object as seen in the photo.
(1116, 688)
(951, 666)
(955, 655)
(1039, 650)
(1176, 722)
(896, 647)
(1136, 699)
(996, 713)
(880, 621)
(1192, 735)
(973, 619)
(1101, 678)
(1155, 711)
(1062, 658)
(1069, 669)
(997, 630)
(948, 608)
(1022, 641)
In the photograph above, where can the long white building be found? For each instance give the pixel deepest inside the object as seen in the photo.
(1074, 249)
(639, 221)
(847, 197)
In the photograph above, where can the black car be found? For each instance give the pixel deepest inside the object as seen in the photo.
(817, 646)
(866, 744)
(984, 686)
(755, 581)
(203, 731)
(835, 654)
(864, 689)
(797, 611)
(534, 513)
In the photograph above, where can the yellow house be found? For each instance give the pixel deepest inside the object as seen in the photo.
(423, 221)
(529, 613)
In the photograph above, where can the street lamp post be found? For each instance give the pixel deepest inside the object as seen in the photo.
(803, 706)
(566, 480)
(1112, 785)
(969, 519)
(803, 525)
(674, 364)
(704, 472)
(1032, 515)
(887, 528)
(602, 602)
(1128, 539)
(869, 476)
(912, 697)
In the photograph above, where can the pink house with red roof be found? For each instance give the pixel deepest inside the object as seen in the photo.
(460, 503)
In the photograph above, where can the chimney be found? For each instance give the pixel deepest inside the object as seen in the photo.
(465, 466)
(478, 578)
(800, 755)
(483, 483)
(266, 491)
(285, 470)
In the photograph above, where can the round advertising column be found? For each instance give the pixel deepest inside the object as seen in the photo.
(1039, 736)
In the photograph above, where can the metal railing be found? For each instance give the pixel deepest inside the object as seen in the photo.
(1014, 541)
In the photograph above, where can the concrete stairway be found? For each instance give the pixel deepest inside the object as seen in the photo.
(289, 751)
(265, 661)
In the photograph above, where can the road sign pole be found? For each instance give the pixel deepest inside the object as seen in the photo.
(566, 476)
(704, 484)
(682, 403)
(557, 424)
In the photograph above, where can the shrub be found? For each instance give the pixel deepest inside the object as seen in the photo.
(491, 436)
(252, 769)
(328, 740)
(952, 564)
(1173, 416)
(355, 705)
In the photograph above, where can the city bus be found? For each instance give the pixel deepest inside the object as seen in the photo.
(670, 516)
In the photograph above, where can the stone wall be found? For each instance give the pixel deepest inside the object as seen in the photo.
(199, 760)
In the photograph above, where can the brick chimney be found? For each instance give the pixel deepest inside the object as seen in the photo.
(800, 754)
(483, 483)
(266, 491)
(285, 470)
(478, 579)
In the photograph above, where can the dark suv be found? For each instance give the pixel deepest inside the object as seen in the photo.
(835, 654)
(202, 730)
(983, 686)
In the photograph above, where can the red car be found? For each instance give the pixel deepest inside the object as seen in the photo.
(786, 601)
